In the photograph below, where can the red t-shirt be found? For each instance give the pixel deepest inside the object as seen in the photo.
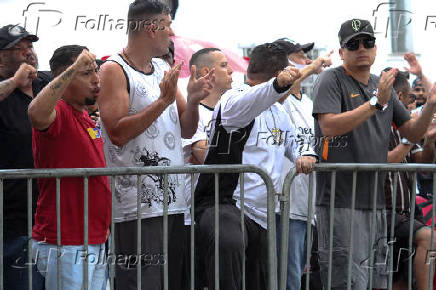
(71, 141)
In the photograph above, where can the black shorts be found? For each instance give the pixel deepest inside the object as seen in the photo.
(400, 242)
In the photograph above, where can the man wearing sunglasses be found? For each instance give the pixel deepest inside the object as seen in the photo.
(353, 104)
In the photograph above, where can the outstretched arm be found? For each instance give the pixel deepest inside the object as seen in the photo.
(240, 107)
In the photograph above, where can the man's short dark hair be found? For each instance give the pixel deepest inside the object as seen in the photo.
(141, 12)
(199, 58)
(401, 84)
(265, 61)
(63, 57)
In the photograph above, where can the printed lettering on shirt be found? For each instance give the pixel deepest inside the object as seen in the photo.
(305, 139)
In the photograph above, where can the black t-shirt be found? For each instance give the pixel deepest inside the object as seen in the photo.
(16, 153)
(336, 92)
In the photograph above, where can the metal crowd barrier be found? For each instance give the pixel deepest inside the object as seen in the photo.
(284, 199)
(30, 174)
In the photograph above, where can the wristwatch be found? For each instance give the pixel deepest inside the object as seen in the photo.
(374, 103)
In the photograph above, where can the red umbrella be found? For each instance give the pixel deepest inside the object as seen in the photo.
(185, 47)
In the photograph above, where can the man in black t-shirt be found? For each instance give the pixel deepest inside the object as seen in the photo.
(359, 108)
(19, 83)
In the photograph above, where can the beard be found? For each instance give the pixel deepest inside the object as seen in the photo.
(89, 101)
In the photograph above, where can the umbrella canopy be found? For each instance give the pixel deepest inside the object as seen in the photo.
(185, 47)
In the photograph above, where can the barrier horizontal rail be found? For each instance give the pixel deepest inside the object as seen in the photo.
(284, 200)
(120, 171)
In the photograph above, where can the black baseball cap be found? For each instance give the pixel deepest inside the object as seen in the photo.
(417, 83)
(290, 46)
(354, 27)
(10, 35)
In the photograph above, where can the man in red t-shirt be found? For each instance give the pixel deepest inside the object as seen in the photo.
(65, 137)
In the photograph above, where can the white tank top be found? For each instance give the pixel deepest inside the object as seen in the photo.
(159, 145)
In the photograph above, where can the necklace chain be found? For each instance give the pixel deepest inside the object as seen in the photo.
(132, 63)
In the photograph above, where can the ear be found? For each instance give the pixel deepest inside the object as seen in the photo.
(341, 53)
(204, 71)
(400, 95)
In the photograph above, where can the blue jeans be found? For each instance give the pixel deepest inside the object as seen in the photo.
(72, 262)
(15, 266)
(296, 251)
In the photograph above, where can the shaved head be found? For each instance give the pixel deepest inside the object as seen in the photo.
(203, 58)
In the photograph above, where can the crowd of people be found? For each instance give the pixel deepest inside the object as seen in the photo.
(129, 112)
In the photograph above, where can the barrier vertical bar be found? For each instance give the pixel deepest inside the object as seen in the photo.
(58, 229)
(165, 231)
(412, 216)
(373, 231)
(284, 228)
(271, 232)
(241, 185)
(430, 280)
(331, 222)
(85, 233)
(350, 252)
(217, 224)
(192, 234)
(392, 232)
(112, 241)
(139, 234)
(309, 228)
(29, 231)
(1, 233)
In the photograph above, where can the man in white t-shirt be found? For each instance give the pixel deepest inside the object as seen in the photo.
(249, 127)
(195, 149)
(299, 108)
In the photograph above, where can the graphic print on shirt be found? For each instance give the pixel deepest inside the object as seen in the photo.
(304, 139)
(153, 185)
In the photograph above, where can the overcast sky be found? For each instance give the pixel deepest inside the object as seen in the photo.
(228, 23)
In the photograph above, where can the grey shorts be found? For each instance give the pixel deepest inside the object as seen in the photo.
(362, 245)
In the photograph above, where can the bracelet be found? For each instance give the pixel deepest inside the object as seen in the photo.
(404, 141)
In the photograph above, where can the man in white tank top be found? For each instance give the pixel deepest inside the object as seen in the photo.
(143, 126)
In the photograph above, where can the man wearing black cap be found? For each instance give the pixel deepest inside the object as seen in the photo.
(296, 52)
(299, 108)
(19, 83)
(359, 107)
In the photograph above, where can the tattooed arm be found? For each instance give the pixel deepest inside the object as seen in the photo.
(6, 88)
(22, 79)
(42, 111)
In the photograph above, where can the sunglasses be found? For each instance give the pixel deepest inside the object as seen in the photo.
(354, 44)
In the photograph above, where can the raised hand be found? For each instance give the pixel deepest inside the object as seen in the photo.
(84, 61)
(287, 76)
(415, 67)
(432, 95)
(321, 62)
(200, 88)
(385, 85)
(24, 76)
(168, 85)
